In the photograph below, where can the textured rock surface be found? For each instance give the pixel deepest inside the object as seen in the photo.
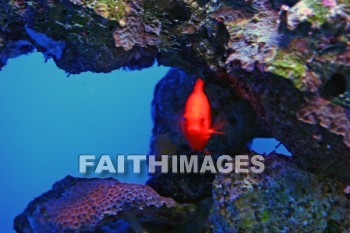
(300, 87)
(284, 198)
(78, 35)
(95, 205)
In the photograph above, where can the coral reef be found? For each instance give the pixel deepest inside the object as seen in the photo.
(81, 32)
(280, 55)
(276, 68)
(90, 205)
(311, 57)
(281, 199)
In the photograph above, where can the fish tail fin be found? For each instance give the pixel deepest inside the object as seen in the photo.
(199, 85)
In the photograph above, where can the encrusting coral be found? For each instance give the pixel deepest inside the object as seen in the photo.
(86, 205)
(281, 199)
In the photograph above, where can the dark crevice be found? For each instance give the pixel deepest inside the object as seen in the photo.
(334, 87)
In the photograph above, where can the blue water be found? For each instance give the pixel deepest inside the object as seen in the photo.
(47, 120)
(268, 145)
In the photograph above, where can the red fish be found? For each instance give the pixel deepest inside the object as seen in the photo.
(196, 121)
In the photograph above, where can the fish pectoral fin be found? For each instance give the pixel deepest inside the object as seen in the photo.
(217, 128)
(213, 131)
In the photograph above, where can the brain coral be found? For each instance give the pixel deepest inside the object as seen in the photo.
(84, 205)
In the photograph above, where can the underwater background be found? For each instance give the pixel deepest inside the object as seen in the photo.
(48, 119)
(270, 68)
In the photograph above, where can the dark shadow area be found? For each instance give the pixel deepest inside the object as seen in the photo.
(334, 87)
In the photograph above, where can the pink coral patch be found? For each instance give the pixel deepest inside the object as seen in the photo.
(329, 3)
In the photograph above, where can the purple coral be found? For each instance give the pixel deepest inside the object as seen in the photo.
(84, 205)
